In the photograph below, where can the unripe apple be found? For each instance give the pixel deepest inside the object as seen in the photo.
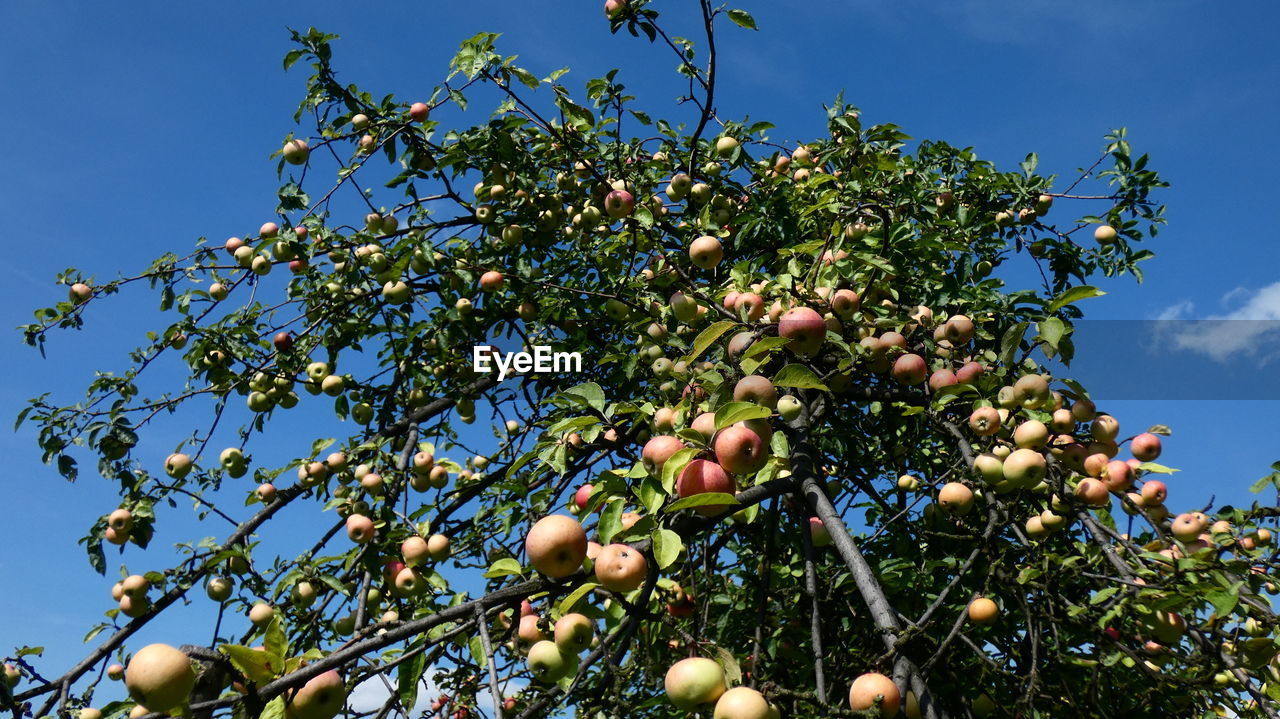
(620, 568)
(360, 529)
(908, 483)
(438, 547)
(322, 697)
(983, 611)
(706, 252)
(984, 421)
(614, 8)
(218, 588)
(261, 613)
(574, 632)
(1032, 434)
(1024, 468)
(1104, 234)
(875, 691)
(296, 151)
(955, 498)
(556, 546)
(989, 467)
(1104, 428)
(177, 465)
(742, 703)
(694, 683)
(160, 677)
(789, 407)
(120, 520)
(726, 145)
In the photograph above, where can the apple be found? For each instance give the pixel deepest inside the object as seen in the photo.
(360, 529)
(1024, 468)
(706, 252)
(752, 304)
(135, 585)
(414, 551)
(548, 664)
(1104, 428)
(684, 307)
(397, 292)
(989, 468)
(266, 493)
(726, 145)
(758, 389)
(1145, 447)
(970, 371)
(1104, 234)
(658, 450)
(160, 677)
(177, 465)
(1117, 475)
(260, 614)
(574, 632)
(80, 293)
(789, 407)
(620, 568)
(818, 532)
(705, 425)
(742, 703)
(296, 151)
(1093, 492)
(958, 330)
(218, 588)
(120, 520)
(694, 682)
(1156, 492)
(303, 594)
(134, 607)
(582, 496)
(322, 697)
(619, 204)
(419, 111)
(1032, 434)
(438, 547)
(942, 378)
(910, 369)
(983, 611)
(984, 421)
(740, 450)
(556, 546)
(844, 303)
(1031, 391)
(955, 498)
(1188, 526)
(614, 8)
(874, 690)
(908, 483)
(530, 629)
(805, 328)
(491, 281)
(115, 672)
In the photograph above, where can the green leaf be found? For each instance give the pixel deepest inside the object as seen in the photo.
(743, 19)
(674, 466)
(1075, 294)
(589, 393)
(569, 602)
(254, 664)
(274, 709)
(702, 500)
(667, 546)
(407, 676)
(276, 644)
(1052, 330)
(1157, 468)
(735, 412)
(1011, 340)
(503, 568)
(650, 494)
(1160, 429)
(1223, 602)
(707, 337)
(798, 376)
(732, 672)
(610, 520)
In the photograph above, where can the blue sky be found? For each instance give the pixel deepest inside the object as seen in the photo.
(131, 132)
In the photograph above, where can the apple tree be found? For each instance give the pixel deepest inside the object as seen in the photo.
(812, 462)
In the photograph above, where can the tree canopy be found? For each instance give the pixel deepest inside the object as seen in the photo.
(813, 440)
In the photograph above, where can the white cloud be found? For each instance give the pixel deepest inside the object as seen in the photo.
(1251, 329)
